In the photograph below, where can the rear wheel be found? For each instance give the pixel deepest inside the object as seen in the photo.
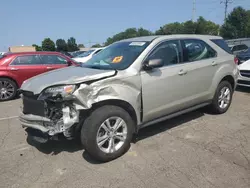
(223, 98)
(8, 89)
(106, 134)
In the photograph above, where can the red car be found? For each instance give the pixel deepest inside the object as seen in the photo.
(18, 67)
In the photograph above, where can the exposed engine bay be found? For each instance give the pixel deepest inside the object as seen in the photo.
(62, 115)
(52, 115)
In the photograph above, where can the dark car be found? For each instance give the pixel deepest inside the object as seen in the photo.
(67, 54)
(15, 68)
(241, 51)
(76, 53)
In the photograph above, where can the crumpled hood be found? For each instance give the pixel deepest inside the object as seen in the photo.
(245, 65)
(68, 75)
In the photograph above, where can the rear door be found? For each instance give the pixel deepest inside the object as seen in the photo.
(24, 67)
(200, 64)
(53, 62)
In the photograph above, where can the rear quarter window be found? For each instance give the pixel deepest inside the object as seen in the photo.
(222, 44)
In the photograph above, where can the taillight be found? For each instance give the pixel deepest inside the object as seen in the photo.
(236, 60)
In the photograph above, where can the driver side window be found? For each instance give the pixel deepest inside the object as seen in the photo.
(168, 51)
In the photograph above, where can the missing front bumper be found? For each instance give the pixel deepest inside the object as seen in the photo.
(34, 121)
(64, 124)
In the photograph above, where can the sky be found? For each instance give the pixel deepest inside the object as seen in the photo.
(27, 22)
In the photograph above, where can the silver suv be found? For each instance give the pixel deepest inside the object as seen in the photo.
(129, 85)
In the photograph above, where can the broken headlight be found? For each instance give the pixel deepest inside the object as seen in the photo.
(63, 91)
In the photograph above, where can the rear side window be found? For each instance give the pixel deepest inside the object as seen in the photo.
(53, 59)
(195, 50)
(27, 60)
(222, 44)
(243, 47)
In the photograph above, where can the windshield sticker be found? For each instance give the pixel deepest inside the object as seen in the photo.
(137, 43)
(117, 59)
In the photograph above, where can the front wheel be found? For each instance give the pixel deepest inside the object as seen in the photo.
(106, 134)
(8, 89)
(222, 98)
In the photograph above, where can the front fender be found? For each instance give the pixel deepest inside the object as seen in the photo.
(88, 95)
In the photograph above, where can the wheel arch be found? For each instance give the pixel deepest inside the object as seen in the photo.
(8, 77)
(115, 102)
(230, 79)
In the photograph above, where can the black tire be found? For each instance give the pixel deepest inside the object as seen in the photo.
(215, 107)
(91, 126)
(13, 84)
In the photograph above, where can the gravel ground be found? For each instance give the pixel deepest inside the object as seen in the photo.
(193, 150)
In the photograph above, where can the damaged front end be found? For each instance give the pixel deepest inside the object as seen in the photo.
(52, 112)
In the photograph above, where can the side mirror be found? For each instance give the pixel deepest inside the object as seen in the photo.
(153, 63)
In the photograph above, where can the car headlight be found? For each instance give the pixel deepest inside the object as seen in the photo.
(64, 91)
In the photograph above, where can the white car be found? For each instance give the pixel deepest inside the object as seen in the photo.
(2, 53)
(84, 57)
(244, 74)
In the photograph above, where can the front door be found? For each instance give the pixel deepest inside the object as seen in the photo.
(163, 89)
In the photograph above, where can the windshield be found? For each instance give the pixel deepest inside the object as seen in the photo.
(117, 56)
(85, 54)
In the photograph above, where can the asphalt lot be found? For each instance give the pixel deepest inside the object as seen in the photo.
(193, 150)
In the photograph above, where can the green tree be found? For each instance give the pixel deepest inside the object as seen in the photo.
(143, 32)
(206, 27)
(96, 46)
(81, 46)
(38, 48)
(72, 46)
(61, 45)
(237, 24)
(48, 45)
(171, 28)
(128, 33)
(189, 27)
(201, 26)
(160, 31)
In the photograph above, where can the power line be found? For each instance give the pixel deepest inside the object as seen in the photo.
(194, 10)
(226, 3)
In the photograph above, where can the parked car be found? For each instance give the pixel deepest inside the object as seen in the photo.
(84, 57)
(242, 52)
(76, 53)
(15, 68)
(129, 85)
(67, 54)
(244, 75)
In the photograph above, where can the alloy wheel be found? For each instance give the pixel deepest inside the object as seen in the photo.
(111, 134)
(7, 90)
(224, 97)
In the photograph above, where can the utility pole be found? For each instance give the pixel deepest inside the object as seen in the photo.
(226, 3)
(194, 10)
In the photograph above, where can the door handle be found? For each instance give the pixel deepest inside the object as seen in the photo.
(214, 63)
(13, 69)
(49, 68)
(182, 72)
